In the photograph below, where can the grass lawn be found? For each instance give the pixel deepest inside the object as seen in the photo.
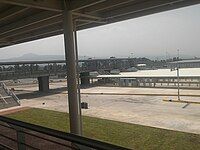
(124, 134)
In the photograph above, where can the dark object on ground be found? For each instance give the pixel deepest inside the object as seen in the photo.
(84, 105)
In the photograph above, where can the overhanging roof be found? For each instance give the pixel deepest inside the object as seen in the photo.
(27, 20)
(185, 61)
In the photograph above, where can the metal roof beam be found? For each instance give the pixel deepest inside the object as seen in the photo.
(39, 32)
(91, 21)
(28, 39)
(80, 4)
(12, 12)
(128, 14)
(87, 16)
(52, 5)
(139, 7)
(34, 35)
(37, 18)
(138, 10)
(45, 23)
(106, 5)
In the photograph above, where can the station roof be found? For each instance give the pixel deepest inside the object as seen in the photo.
(159, 73)
(186, 61)
(27, 20)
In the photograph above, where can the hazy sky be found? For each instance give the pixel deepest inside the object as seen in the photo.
(150, 36)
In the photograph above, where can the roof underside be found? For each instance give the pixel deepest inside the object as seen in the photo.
(27, 20)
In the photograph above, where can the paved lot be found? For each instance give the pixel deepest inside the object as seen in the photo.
(138, 109)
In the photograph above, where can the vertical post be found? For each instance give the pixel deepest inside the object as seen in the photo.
(78, 74)
(74, 106)
(20, 138)
(178, 54)
(178, 78)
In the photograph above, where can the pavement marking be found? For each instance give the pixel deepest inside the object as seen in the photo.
(180, 101)
(147, 94)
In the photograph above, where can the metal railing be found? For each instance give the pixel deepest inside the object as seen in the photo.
(9, 92)
(24, 136)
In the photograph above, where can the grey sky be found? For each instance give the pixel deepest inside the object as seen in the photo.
(150, 36)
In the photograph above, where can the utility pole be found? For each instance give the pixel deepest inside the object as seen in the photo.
(131, 55)
(178, 54)
(178, 80)
(178, 75)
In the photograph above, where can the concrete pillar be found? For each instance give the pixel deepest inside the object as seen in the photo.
(43, 83)
(85, 79)
(144, 82)
(74, 104)
(92, 80)
(154, 82)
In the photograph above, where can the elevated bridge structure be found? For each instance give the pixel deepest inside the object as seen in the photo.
(34, 69)
(28, 20)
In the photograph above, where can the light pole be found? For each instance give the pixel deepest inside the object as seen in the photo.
(131, 55)
(178, 54)
(178, 75)
(178, 80)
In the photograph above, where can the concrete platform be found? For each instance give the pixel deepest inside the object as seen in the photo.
(138, 109)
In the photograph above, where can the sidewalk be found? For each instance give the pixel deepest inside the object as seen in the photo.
(12, 110)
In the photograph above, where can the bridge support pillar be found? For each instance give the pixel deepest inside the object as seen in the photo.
(85, 79)
(43, 83)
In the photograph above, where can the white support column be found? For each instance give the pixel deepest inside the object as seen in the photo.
(78, 74)
(74, 106)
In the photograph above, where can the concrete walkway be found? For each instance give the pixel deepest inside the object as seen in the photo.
(123, 105)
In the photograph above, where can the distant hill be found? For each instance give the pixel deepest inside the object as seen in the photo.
(35, 57)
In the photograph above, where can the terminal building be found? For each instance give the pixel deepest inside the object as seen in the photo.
(165, 78)
(195, 63)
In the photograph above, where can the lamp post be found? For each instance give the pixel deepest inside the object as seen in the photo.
(178, 75)
(131, 55)
(178, 80)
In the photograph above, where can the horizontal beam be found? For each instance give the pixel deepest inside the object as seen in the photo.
(91, 21)
(45, 23)
(132, 12)
(12, 12)
(80, 4)
(28, 21)
(52, 5)
(87, 16)
(42, 36)
(106, 5)
(67, 137)
(36, 33)
(138, 7)
(63, 61)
